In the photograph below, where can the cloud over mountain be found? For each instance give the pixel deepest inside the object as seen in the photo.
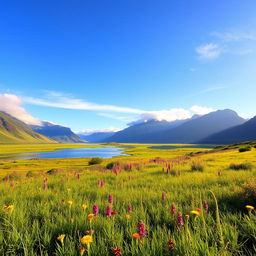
(12, 105)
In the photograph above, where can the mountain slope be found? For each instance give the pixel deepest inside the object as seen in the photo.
(201, 127)
(96, 137)
(180, 131)
(240, 133)
(14, 131)
(57, 132)
(146, 132)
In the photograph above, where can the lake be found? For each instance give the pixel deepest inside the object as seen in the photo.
(189, 146)
(105, 152)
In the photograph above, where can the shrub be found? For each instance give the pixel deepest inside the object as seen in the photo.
(197, 167)
(95, 160)
(244, 149)
(241, 166)
(110, 165)
(249, 192)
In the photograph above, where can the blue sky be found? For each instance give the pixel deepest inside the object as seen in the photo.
(101, 64)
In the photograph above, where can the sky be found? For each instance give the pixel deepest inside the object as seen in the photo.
(102, 65)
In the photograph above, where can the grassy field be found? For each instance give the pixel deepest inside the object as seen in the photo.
(155, 202)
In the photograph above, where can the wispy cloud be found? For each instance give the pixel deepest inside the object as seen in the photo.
(59, 100)
(12, 105)
(234, 42)
(234, 36)
(208, 51)
(90, 131)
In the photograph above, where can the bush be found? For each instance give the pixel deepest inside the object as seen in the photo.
(95, 160)
(110, 165)
(241, 166)
(197, 167)
(244, 149)
(249, 192)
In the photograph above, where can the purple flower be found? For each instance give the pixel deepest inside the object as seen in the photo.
(180, 220)
(129, 209)
(171, 245)
(142, 229)
(173, 209)
(109, 211)
(205, 206)
(102, 183)
(45, 186)
(95, 210)
(110, 199)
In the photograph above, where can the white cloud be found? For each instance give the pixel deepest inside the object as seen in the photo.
(90, 131)
(12, 105)
(59, 100)
(208, 51)
(199, 110)
(232, 36)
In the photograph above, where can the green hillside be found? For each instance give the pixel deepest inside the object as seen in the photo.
(15, 131)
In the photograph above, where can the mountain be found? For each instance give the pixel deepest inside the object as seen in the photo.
(201, 127)
(145, 132)
(239, 133)
(181, 131)
(57, 132)
(96, 137)
(14, 131)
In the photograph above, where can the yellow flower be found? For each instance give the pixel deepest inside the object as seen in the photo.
(136, 235)
(84, 207)
(86, 239)
(8, 209)
(71, 220)
(69, 203)
(128, 216)
(196, 213)
(249, 207)
(90, 217)
(61, 238)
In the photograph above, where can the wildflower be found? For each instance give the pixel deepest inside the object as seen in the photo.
(219, 173)
(142, 229)
(61, 238)
(109, 211)
(171, 245)
(90, 217)
(71, 220)
(84, 207)
(90, 232)
(163, 196)
(128, 216)
(110, 199)
(116, 251)
(113, 213)
(180, 220)
(86, 240)
(249, 207)
(8, 209)
(82, 250)
(173, 209)
(205, 206)
(45, 186)
(95, 210)
(196, 213)
(129, 210)
(69, 203)
(136, 236)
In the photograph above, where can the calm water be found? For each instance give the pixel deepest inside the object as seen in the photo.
(106, 152)
(190, 146)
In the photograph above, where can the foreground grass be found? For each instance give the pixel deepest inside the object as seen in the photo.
(47, 205)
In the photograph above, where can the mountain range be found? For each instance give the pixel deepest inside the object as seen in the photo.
(57, 132)
(218, 127)
(13, 130)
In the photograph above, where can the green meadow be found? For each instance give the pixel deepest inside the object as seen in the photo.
(184, 201)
